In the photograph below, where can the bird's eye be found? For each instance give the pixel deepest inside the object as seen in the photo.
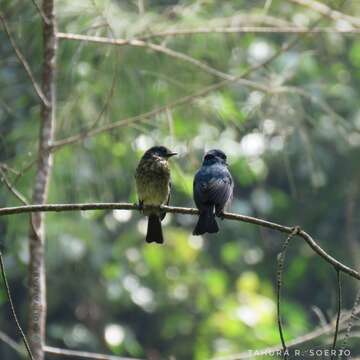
(209, 157)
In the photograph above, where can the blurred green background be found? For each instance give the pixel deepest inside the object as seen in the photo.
(293, 151)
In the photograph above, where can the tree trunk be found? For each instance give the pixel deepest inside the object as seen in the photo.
(37, 281)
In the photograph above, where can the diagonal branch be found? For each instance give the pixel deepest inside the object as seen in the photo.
(83, 354)
(12, 307)
(63, 352)
(12, 189)
(179, 102)
(11, 343)
(176, 103)
(144, 116)
(147, 115)
(145, 44)
(24, 63)
(19, 196)
(327, 11)
(40, 11)
(190, 211)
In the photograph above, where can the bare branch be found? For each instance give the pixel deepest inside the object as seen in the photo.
(141, 117)
(83, 354)
(149, 45)
(181, 210)
(56, 145)
(100, 39)
(6, 167)
(40, 11)
(24, 63)
(327, 11)
(184, 100)
(339, 302)
(63, 352)
(22, 171)
(280, 268)
(181, 101)
(19, 196)
(12, 189)
(12, 343)
(250, 29)
(13, 312)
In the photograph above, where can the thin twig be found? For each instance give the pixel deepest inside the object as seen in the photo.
(339, 302)
(8, 294)
(250, 29)
(182, 210)
(83, 354)
(41, 13)
(176, 103)
(6, 167)
(141, 117)
(20, 197)
(23, 62)
(92, 131)
(58, 144)
(327, 11)
(181, 101)
(114, 78)
(145, 44)
(12, 189)
(320, 315)
(22, 171)
(280, 267)
(11, 343)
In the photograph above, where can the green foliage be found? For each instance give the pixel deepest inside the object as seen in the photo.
(293, 152)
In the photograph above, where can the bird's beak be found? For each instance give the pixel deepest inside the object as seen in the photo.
(170, 154)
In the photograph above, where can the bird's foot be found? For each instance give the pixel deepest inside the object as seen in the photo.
(141, 206)
(220, 214)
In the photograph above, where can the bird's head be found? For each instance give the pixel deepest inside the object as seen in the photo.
(159, 151)
(214, 156)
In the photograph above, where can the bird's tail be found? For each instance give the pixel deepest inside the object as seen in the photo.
(206, 222)
(154, 230)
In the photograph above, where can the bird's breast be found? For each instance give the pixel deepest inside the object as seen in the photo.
(153, 181)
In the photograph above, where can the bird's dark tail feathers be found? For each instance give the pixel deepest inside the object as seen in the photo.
(206, 222)
(154, 230)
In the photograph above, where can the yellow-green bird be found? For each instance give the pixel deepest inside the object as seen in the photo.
(153, 188)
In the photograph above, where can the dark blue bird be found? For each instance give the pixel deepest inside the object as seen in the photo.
(213, 190)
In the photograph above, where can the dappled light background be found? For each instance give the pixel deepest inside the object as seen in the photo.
(292, 136)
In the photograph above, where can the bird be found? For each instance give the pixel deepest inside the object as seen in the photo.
(213, 190)
(153, 186)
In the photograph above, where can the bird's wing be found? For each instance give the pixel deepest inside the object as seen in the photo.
(162, 215)
(198, 191)
(219, 190)
(216, 189)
